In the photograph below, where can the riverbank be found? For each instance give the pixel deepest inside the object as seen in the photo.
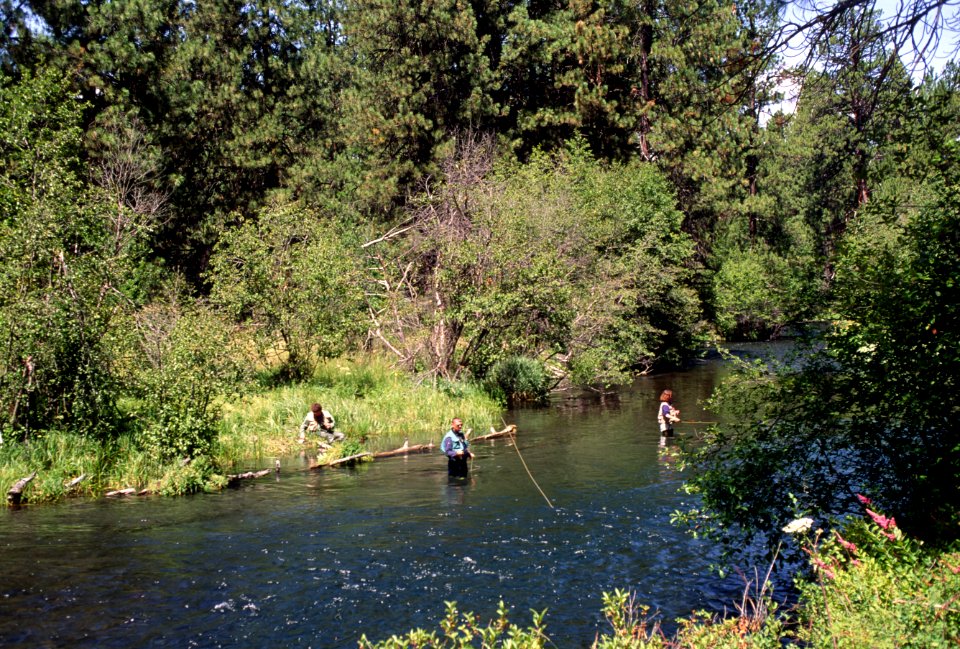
(376, 407)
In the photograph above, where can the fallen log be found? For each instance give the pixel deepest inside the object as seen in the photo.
(423, 448)
(73, 483)
(121, 492)
(15, 493)
(493, 434)
(234, 478)
(406, 449)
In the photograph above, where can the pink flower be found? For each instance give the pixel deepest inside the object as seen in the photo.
(847, 545)
(882, 521)
(890, 536)
(864, 500)
(824, 568)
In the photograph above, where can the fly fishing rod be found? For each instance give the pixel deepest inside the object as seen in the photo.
(513, 436)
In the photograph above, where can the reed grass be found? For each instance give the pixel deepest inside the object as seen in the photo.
(373, 403)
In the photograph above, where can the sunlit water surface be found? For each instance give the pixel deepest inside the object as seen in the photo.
(314, 559)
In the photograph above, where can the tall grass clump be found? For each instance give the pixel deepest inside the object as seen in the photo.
(373, 402)
(58, 458)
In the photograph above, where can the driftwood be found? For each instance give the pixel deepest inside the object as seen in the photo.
(121, 492)
(15, 493)
(234, 478)
(73, 483)
(406, 449)
(493, 434)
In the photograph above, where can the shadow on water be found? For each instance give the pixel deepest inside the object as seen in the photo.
(314, 559)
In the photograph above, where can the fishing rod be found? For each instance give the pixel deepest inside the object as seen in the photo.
(513, 436)
(697, 422)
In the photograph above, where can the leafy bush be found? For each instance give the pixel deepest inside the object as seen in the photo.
(518, 378)
(463, 631)
(875, 587)
(180, 479)
(181, 362)
(870, 403)
(59, 274)
(290, 273)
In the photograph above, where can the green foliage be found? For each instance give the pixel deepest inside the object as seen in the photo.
(180, 362)
(866, 409)
(179, 479)
(519, 378)
(756, 292)
(462, 630)
(420, 73)
(58, 458)
(59, 275)
(292, 277)
(875, 587)
(563, 258)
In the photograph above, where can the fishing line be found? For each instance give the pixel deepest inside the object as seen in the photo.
(513, 436)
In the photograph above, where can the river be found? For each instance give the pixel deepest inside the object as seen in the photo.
(314, 559)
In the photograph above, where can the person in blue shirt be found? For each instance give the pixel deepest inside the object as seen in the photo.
(456, 448)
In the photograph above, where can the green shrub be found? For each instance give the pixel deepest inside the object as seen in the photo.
(180, 478)
(463, 630)
(181, 361)
(519, 378)
(875, 587)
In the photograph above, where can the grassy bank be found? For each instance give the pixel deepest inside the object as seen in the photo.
(376, 406)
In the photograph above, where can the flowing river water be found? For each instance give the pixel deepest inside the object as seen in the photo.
(314, 559)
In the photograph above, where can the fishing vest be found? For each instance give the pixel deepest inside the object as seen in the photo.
(457, 443)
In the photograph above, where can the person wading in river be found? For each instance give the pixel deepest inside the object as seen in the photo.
(456, 447)
(667, 416)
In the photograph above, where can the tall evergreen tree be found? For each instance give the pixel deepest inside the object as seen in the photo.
(420, 72)
(565, 70)
(847, 119)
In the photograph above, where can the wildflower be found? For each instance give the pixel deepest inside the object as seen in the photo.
(864, 500)
(881, 520)
(798, 526)
(847, 545)
(824, 568)
(891, 536)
